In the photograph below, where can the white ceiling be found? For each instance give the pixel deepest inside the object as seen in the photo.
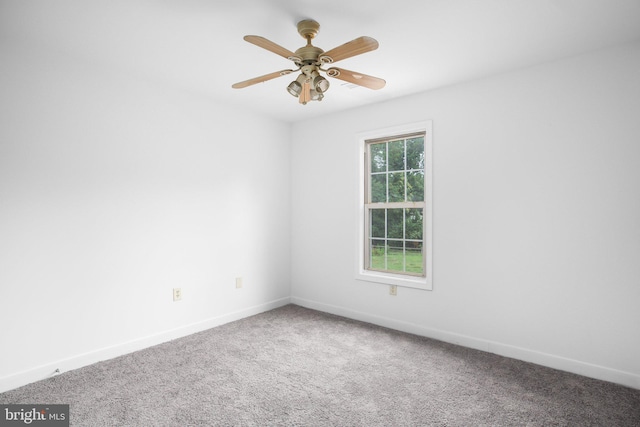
(424, 44)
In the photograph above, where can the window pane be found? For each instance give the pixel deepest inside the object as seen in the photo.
(377, 223)
(396, 155)
(377, 251)
(395, 255)
(379, 188)
(415, 153)
(413, 258)
(378, 157)
(413, 224)
(394, 223)
(396, 187)
(415, 186)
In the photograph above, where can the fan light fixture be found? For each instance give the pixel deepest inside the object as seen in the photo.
(318, 85)
(295, 87)
(310, 85)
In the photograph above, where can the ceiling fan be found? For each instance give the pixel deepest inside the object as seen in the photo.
(310, 85)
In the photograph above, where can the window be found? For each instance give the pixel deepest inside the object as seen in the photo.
(394, 205)
(395, 210)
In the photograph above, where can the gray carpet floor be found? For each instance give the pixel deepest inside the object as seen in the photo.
(297, 367)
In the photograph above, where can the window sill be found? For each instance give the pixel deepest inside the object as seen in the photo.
(394, 279)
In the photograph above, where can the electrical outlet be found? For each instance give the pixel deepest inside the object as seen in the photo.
(238, 282)
(177, 294)
(393, 290)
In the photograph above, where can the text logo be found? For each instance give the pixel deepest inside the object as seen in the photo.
(34, 415)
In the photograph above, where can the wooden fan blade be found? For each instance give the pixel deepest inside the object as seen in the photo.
(261, 79)
(305, 95)
(354, 47)
(356, 78)
(270, 46)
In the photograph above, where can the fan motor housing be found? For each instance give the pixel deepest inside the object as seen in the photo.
(309, 53)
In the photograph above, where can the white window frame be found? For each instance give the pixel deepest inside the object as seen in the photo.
(399, 279)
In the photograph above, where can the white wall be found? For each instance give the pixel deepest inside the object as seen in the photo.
(113, 191)
(536, 215)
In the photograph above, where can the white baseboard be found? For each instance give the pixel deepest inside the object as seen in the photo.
(50, 369)
(627, 379)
